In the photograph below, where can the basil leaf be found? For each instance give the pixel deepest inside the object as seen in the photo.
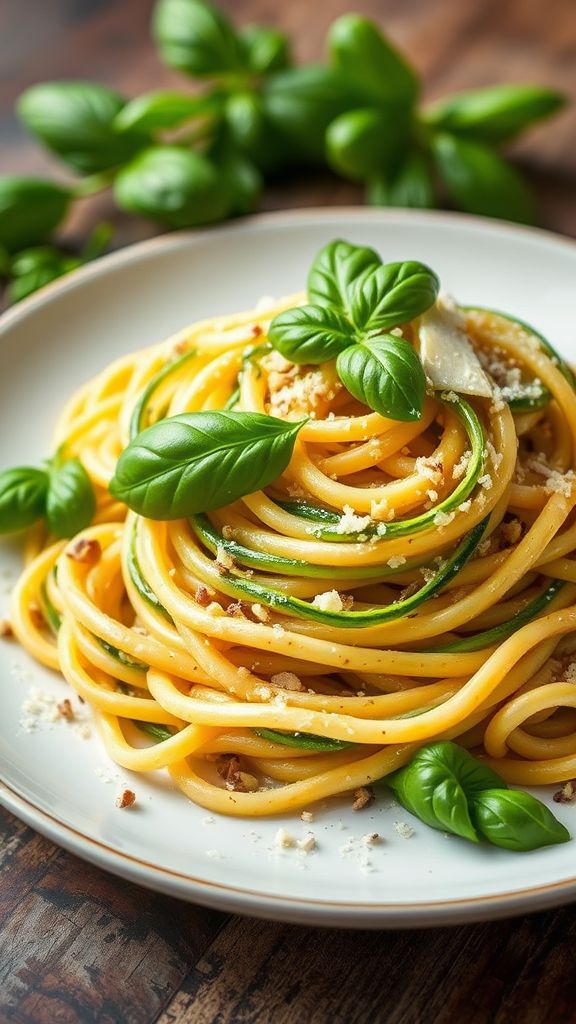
(97, 241)
(439, 782)
(301, 102)
(161, 109)
(361, 143)
(438, 801)
(411, 186)
(4, 261)
(495, 114)
(76, 121)
(195, 37)
(360, 52)
(70, 502)
(516, 820)
(244, 118)
(386, 374)
(22, 497)
(201, 461)
(240, 180)
(173, 185)
(480, 181)
(38, 276)
(310, 334)
(335, 272)
(266, 48)
(393, 294)
(29, 211)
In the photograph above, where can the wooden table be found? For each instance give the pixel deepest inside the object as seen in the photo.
(78, 945)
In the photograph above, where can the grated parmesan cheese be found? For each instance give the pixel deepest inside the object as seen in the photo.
(260, 612)
(350, 522)
(461, 466)
(442, 519)
(224, 558)
(404, 830)
(283, 840)
(429, 467)
(396, 561)
(330, 601)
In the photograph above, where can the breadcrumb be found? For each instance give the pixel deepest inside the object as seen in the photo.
(362, 798)
(127, 798)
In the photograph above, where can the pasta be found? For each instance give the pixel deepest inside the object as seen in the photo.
(398, 582)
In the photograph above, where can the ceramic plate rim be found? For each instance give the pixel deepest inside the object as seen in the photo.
(242, 899)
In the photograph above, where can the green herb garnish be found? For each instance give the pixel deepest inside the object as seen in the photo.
(61, 493)
(450, 790)
(201, 461)
(252, 115)
(355, 300)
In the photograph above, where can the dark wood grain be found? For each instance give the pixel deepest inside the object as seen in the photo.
(79, 946)
(506, 973)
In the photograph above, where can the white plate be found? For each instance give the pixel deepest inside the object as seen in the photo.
(48, 346)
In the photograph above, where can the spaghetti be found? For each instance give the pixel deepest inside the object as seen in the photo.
(401, 581)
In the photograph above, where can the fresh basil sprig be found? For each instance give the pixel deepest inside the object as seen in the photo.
(201, 461)
(355, 298)
(254, 115)
(449, 789)
(197, 38)
(386, 374)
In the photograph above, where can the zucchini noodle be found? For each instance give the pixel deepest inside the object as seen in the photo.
(399, 583)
